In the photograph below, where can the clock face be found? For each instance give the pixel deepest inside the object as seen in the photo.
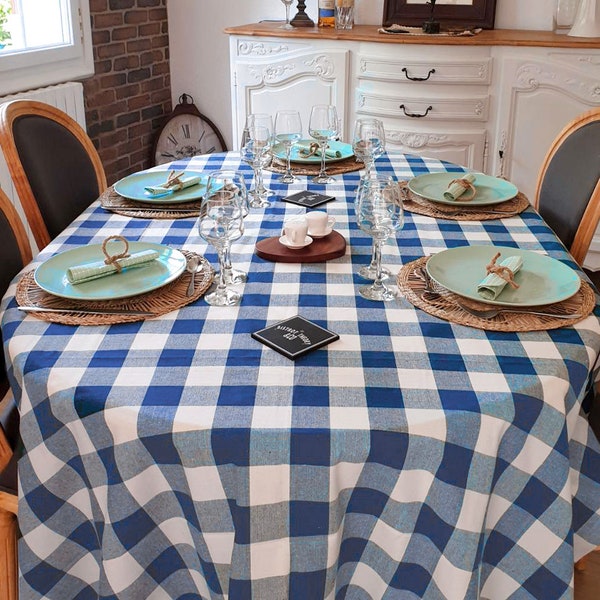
(186, 135)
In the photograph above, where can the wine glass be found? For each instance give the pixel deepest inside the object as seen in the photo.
(368, 142)
(323, 126)
(379, 214)
(234, 276)
(287, 25)
(256, 151)
(221, 222)
(288, 130)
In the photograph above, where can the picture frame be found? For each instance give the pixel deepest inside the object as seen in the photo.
(478, 13)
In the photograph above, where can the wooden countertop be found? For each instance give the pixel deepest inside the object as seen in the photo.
(369, 33)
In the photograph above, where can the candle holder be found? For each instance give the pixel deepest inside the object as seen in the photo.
(431, 26)
(302, 19)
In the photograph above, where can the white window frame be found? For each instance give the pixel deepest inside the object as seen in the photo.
(22, 71)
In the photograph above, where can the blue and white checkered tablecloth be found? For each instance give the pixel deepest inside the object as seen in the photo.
(413, 458)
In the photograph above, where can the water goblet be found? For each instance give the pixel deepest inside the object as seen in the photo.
(221, 222)
(379, 214)
(287, 24)
(234, 276)
(262, 120)
(256, 151)
(288, 130)
(368, 142)
(323, 126)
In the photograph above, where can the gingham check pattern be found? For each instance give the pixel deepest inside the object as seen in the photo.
(413, 458)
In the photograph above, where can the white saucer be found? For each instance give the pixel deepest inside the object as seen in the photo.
(322, 235)
(307, 241)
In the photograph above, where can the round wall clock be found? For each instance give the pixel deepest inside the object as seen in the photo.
(186, 133)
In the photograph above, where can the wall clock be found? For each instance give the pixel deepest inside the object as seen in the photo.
(186, 133)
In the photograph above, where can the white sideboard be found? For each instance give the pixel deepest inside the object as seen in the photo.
(492, 103)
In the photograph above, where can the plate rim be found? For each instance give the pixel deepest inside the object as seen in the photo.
(504, 250)
(458, 202)
(134, 245)
(173, 199)
(311, 160)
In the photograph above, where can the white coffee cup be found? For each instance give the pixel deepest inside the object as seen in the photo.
(319, 222)
(295, 231)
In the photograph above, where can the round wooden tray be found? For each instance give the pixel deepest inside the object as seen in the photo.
(322, 249)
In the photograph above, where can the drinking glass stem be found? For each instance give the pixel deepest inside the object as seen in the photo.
(289, 160)
(287, 14)
(227, 258)
(378, 283)
(258, 181)
(323, 145)
(221, 286)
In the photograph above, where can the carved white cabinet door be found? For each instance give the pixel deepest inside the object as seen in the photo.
(270, 75)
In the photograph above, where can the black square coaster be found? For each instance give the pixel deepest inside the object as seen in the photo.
(308, 199)
(295, 337)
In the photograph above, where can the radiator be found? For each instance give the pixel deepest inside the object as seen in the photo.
(68, 97)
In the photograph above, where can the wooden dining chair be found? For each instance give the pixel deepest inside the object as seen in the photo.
(568, 187)
(53, 163)
(16, 253)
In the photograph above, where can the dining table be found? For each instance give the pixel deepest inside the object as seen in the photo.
(413, 457)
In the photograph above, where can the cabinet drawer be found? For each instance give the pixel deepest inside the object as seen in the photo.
(423, 108)
(462, 72)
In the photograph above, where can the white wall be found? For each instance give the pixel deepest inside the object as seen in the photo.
(199, 49)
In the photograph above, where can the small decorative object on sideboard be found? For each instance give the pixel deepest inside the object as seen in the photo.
(431, 26)
(302, 19)
(564, 17)
(326, 13)
(587, 20)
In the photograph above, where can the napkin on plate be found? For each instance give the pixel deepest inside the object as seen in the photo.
(184, 182)
(457, 189)
(491, 287)
(306, 149)
(87, 272)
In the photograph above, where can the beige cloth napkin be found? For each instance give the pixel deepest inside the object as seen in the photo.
(185, 182)
(491, 287)
(456, 189)
(306, 148)
(87, 272)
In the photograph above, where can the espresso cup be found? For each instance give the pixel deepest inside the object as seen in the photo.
(295, 231)
(319, 222)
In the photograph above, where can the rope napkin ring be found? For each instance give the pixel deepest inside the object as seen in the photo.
(113, 259)
(502, 271)
(173, 179)
(310, 151)
(458, 188)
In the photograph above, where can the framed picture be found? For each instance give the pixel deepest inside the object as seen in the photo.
(450, 13)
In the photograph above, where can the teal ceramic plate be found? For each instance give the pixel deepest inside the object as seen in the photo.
(541, 279)
(51, 275)
(490, 190)
(132, 187)
(344, 149)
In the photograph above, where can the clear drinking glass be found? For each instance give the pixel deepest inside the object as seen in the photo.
(234, 276)
(368, 142)
(323, 126)
(379, 213)
(256, 151)
(262, 120)
(222, 222)
(288, 130)
(287, 25)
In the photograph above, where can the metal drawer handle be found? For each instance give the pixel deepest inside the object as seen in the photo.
(415, 115)
(405, 71)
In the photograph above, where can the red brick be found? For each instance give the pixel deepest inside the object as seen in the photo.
(136, 16)
(104, 20)
(124, 33)
(111, 50)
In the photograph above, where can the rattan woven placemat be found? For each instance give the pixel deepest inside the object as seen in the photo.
(158, 302)
(422, 206)
(333, 168)
(412, 286)
(116, 203)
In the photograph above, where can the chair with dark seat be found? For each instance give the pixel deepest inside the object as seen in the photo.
(16, 253)
(53, 163)
(568, 186)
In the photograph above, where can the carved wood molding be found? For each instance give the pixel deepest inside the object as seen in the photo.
(320, 66)
(531, 76)
(246, 48)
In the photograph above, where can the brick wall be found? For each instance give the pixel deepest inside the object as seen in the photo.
(130, 93)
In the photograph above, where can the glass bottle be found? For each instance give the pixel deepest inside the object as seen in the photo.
(326, 13)
(565, 13)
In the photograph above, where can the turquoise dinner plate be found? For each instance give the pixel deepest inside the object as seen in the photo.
(132, 187)
(345, 149)
(490, 190)
(51, 275)
(541, 279)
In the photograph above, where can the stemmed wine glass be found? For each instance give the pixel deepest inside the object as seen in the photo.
(379, 214)
(323, 126)
(287, 25)
(288, 130)
(256, 151)
(234, 276)
(221, 222)
(368, 142)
